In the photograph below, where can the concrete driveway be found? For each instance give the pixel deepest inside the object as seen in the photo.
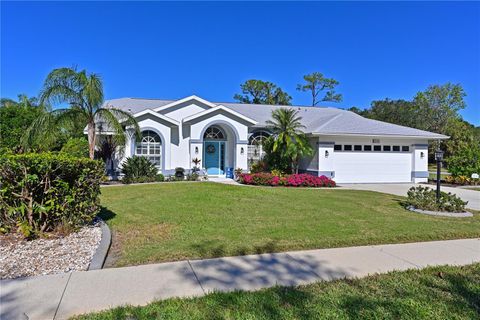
(472, 196)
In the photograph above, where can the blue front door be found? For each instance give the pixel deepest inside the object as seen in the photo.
(214, 157)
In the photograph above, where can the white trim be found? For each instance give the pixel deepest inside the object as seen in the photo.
(217, 108)
(192, 97)
(439, 137)
(158, 115)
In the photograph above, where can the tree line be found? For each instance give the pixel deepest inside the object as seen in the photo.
(320, 88)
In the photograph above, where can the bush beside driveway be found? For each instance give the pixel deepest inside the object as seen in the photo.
(401, 189)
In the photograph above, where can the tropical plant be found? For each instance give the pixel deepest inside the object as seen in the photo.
(316, 83)
(15, 118)
(196, 167)
(84, 93)
(138, 169)
(77, 147)
(288, 142)
(107, 147)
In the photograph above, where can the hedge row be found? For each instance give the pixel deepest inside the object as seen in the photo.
(292, 180)
(48, 192)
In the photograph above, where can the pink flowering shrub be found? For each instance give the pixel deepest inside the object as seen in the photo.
(293, 180)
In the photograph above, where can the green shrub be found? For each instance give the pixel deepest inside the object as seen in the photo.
(138, 170)
(160, 177)
(48, 192)
(425, 198)
(76, 147)
(193, 177)
(259, 166)
(465, 162)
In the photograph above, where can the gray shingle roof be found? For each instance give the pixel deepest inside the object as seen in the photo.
(320, 120)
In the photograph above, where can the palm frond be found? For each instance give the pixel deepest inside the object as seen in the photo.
(61, 86)
(93, 91)
(117, 120)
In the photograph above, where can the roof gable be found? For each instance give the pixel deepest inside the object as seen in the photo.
(217, 109)
(156, 115)
(186, 99)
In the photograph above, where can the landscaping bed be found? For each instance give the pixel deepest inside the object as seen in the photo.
(177, 221)
(55, 254)
(432, 293)
(292, 180)
(48, 206)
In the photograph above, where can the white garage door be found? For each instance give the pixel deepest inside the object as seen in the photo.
(366, 167)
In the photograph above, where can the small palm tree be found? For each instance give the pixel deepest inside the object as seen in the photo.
(107, 147)
(288, 137)
(84, 93)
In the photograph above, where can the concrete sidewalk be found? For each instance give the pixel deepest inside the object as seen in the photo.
(400, 189)
(61, 296)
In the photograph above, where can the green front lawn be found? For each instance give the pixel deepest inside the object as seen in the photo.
(433, 293)
(175, 221)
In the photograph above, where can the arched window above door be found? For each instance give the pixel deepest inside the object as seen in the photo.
(214, 133)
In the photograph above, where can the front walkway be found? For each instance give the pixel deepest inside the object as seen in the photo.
(472, 196)
(61, 296)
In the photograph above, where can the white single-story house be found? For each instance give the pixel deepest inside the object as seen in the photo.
(348, 147)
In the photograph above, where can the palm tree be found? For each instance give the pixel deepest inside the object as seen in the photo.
(84, 93)
(107, 147)
(288, 138)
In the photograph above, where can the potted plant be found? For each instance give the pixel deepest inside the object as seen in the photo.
(179, 173)
(196, 167)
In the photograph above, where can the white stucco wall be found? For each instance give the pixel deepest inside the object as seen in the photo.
(419, 162)
(181, 154)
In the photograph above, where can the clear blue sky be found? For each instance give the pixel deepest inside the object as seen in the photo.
(171, 50)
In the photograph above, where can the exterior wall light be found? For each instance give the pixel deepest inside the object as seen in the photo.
(242, 150)
(422, 155)
(326, 153)
(196, 150)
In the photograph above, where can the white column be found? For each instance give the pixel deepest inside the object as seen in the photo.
(196, 151)
(326, 165)
(419, 163)
(241, 152)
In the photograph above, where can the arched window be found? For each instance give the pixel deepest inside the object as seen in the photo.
(255, 146)
(214, 133)
(150, 146)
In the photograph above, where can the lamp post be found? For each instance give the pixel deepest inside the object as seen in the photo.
(438, 158)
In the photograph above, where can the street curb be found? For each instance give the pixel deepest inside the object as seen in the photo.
(100, 255)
